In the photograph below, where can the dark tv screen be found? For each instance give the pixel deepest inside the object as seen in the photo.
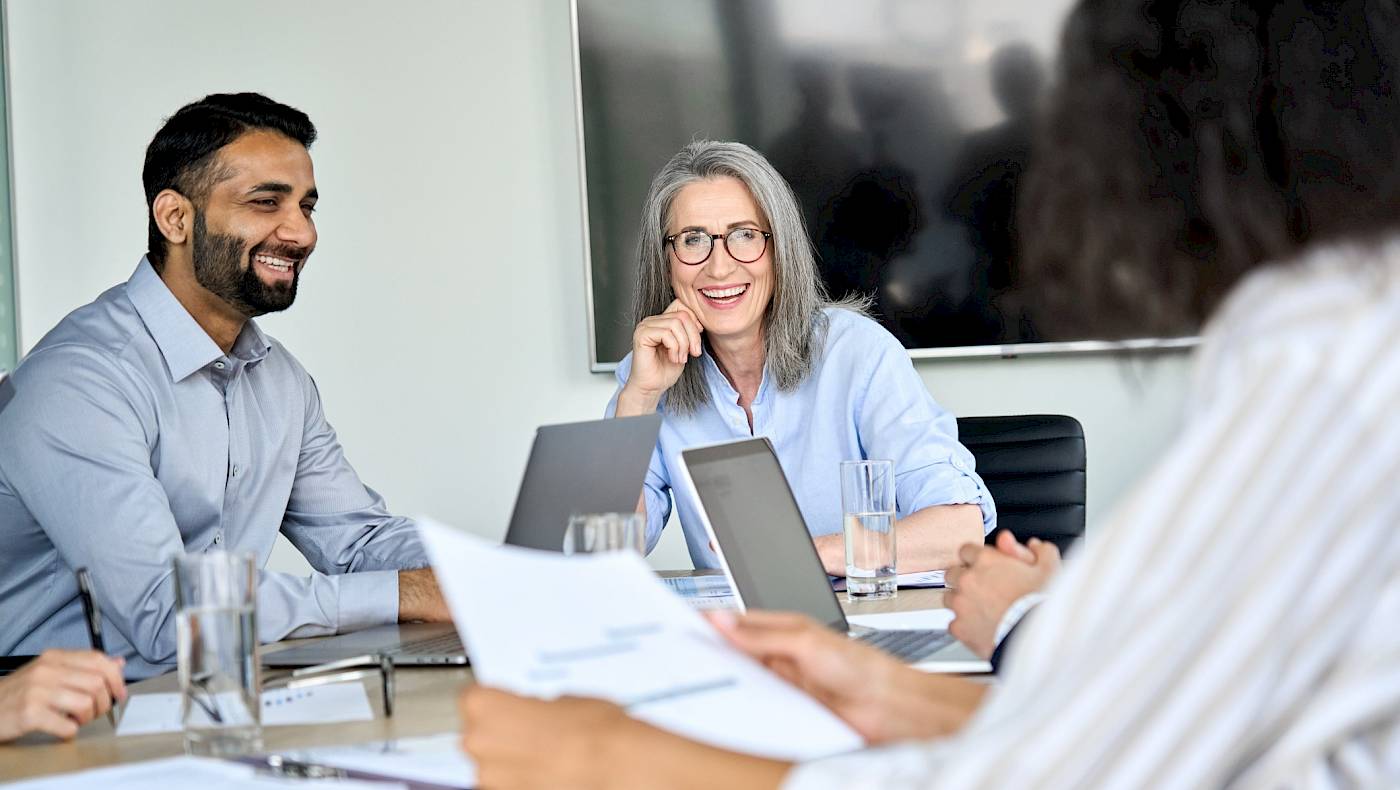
(903, 126)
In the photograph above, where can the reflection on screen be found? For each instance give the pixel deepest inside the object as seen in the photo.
(760, 530)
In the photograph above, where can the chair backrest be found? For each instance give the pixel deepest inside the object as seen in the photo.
(1034, 466)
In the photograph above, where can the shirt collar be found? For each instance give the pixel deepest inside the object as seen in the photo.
(182, 341)
(252, 345)
(719, 383)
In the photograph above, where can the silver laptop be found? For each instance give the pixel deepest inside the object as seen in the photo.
(751, 515)
(584, 467)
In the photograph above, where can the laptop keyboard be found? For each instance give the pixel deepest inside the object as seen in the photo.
(907, 646)
(433, 645)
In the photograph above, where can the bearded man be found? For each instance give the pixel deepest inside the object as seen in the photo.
(159, 419)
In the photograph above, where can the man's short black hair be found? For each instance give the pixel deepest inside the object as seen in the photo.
(182, 154)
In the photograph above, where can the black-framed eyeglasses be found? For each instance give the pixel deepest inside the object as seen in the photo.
(694, 247)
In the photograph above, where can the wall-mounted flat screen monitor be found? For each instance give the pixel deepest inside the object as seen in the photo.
(903, 126)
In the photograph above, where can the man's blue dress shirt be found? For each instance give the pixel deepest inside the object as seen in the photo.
(862, 400)
(127, 436)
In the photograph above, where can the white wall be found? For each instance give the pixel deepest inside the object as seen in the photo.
(443, 312)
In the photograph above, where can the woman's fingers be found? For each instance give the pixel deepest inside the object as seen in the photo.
(1007, 544)
(766, 635)
(670, 330)
(663, 338)
(1046, 553)
(692, 325)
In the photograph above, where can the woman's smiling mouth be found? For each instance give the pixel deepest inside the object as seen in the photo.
(725, 295)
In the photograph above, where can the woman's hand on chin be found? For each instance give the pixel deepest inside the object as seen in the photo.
(661, 346)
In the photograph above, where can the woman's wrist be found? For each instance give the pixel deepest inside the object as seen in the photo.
(632, 402)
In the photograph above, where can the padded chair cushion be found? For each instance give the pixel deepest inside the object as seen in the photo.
(1034, 465)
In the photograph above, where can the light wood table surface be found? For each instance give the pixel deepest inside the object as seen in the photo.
(425, 704)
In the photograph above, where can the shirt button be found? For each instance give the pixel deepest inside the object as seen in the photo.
(959, 465)
(219, 365)
(218, 538)
(234, 471)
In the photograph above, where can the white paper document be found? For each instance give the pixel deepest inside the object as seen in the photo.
(432, 759)
(545, 624)
(182, 773)
(914, 620)
(905, 580)
(145, 714)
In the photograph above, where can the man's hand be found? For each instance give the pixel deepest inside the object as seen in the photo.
(989, 581)
(58, 692)
(881, 698)
(420, 599)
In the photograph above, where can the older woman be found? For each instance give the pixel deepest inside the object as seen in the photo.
(736, 338)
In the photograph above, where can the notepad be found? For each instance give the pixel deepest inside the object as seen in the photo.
(146, 714)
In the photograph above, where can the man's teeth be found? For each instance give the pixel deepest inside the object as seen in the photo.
(280, 264)
(724, 293)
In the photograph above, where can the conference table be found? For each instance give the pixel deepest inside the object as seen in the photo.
(425, 703)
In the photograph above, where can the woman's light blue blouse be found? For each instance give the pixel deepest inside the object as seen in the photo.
(863, 399)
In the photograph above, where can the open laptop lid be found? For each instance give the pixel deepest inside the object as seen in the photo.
(583, 467)
(751, 515)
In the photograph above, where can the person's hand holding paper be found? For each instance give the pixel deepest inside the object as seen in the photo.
(544, 625)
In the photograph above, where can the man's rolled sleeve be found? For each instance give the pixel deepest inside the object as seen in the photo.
(334, 519)
(367, 599)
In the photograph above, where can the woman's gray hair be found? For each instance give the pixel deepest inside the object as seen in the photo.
(794, 324)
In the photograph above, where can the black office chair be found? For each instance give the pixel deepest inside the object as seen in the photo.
(1034, 466)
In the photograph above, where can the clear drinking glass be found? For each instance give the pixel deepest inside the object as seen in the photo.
(217, 644)
(867, 502)
(596, 532)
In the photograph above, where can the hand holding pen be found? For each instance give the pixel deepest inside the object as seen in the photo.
(58, 692)
(92, 616)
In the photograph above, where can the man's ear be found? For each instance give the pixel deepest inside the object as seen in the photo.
(174, 215)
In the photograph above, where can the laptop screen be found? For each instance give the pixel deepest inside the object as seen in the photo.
(583, 467)
(745, 495)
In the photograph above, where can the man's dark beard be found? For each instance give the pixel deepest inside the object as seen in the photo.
(218, 266)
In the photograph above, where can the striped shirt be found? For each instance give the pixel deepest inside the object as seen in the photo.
(1236, 622)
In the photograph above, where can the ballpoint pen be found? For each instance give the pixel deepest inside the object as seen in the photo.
(93, 618)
